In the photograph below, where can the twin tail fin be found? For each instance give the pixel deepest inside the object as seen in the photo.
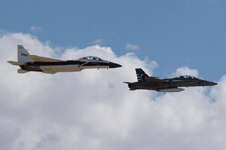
(140, 74)
(22, 55)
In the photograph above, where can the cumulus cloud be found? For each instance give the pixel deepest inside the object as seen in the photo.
(185, 71)
(132, 47)
(93, 109)
(35, 28)
(98, 41)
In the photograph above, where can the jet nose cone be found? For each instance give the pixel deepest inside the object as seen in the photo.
(214, 83)
(114, 65)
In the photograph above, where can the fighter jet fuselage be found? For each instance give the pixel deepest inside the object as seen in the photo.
(67, 66)
(29, 62)
(166, 85)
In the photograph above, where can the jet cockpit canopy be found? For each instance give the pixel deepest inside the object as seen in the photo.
(92, 58)
(184, 77)
(187, 77)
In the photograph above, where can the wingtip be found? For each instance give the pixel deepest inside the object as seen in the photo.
(15, 63)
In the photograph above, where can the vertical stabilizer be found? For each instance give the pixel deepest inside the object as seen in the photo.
(22, 54)
(140, 74)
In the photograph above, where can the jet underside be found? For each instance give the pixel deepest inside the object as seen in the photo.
(172, 86)
(67, 66)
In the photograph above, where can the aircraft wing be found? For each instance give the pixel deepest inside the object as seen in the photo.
(153, 79)
(84, 63)
(43, 59)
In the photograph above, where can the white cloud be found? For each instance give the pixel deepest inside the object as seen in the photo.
(132, 47)
(98, 41)
(93, 109)
(185, 71)
(35, 28)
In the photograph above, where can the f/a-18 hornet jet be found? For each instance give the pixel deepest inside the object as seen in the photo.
(165, 85)
(29, 62)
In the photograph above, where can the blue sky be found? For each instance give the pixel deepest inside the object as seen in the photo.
(93, 109)
(173, 33)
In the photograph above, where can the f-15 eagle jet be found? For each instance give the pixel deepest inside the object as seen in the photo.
(29, 62)
(165, 85)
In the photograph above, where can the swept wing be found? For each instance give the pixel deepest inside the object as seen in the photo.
(153, 79)
(43, 59)
(84, 63)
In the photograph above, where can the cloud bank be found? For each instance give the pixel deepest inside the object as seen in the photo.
(93, 109)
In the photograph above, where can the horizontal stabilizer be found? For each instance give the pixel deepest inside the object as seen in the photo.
(127, 82)
(43, 59)
(22, 71)
(48, 71)
(132, 89)
(15, 63)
